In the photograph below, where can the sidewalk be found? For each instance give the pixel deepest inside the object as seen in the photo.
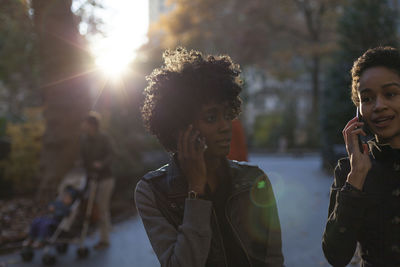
(129, 247)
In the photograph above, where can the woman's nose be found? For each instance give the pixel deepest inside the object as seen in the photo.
(380, 103)
(224, 124)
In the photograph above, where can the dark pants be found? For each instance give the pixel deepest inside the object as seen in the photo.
(42, 228)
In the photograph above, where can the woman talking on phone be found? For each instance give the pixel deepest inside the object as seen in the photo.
(202, 209)
(365, 196)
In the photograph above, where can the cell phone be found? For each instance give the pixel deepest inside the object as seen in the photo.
(198, 142)
(361, 138)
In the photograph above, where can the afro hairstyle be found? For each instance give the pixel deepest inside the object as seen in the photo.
(177, 91)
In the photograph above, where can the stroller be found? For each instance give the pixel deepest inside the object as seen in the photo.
(73, 228)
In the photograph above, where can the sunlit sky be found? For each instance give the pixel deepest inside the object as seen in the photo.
(125, 26)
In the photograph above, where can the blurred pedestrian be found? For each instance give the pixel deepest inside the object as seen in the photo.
(202, 209)
(365, 196)
(96, 152)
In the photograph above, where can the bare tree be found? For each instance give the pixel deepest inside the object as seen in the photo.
(317, 15)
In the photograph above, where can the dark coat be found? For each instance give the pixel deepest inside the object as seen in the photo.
(97, 148)
(370, 217)
(184, 232)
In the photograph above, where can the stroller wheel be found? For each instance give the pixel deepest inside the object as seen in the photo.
(82, 252)
(48, 259)
(62, 248)
(27, 254)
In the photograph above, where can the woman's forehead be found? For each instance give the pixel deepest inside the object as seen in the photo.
(214, 106)
(377, 77)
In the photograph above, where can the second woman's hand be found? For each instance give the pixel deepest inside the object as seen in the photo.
(191, 159)
(359, 161)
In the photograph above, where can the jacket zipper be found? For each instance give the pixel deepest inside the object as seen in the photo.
(233, 228)
(220, 238)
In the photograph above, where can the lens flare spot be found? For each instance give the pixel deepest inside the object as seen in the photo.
(260, 216)
(260, 193)
(261, 184)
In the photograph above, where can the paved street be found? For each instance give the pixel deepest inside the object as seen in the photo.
(301, 189)
(302, 193)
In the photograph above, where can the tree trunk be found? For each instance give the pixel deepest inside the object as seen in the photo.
(315, 83)
(314, 128)
(313, 18)
(64, 86)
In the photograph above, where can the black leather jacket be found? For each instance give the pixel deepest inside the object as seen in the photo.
(370, 217)
(250, 210)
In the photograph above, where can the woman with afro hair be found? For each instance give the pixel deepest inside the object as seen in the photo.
(202, 209)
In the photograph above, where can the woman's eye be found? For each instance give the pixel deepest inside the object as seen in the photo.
(210, 118)
(391, 94)
(365, 99)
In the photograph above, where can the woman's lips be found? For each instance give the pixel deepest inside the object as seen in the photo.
(224, 142)
(383, 121)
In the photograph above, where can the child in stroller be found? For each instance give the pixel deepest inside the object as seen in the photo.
(43, 227)
(67, 220)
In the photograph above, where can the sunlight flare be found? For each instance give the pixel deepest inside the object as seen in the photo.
(114, 62)
(125, 30)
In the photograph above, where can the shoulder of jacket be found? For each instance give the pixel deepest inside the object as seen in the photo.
(245, 168)
(242, 164)
(343, 164)
(341, 170)
(156, 173)
(343, 161)
(247, 173)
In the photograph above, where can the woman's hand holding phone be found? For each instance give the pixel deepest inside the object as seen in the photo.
(191, 159)
(359, 161)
